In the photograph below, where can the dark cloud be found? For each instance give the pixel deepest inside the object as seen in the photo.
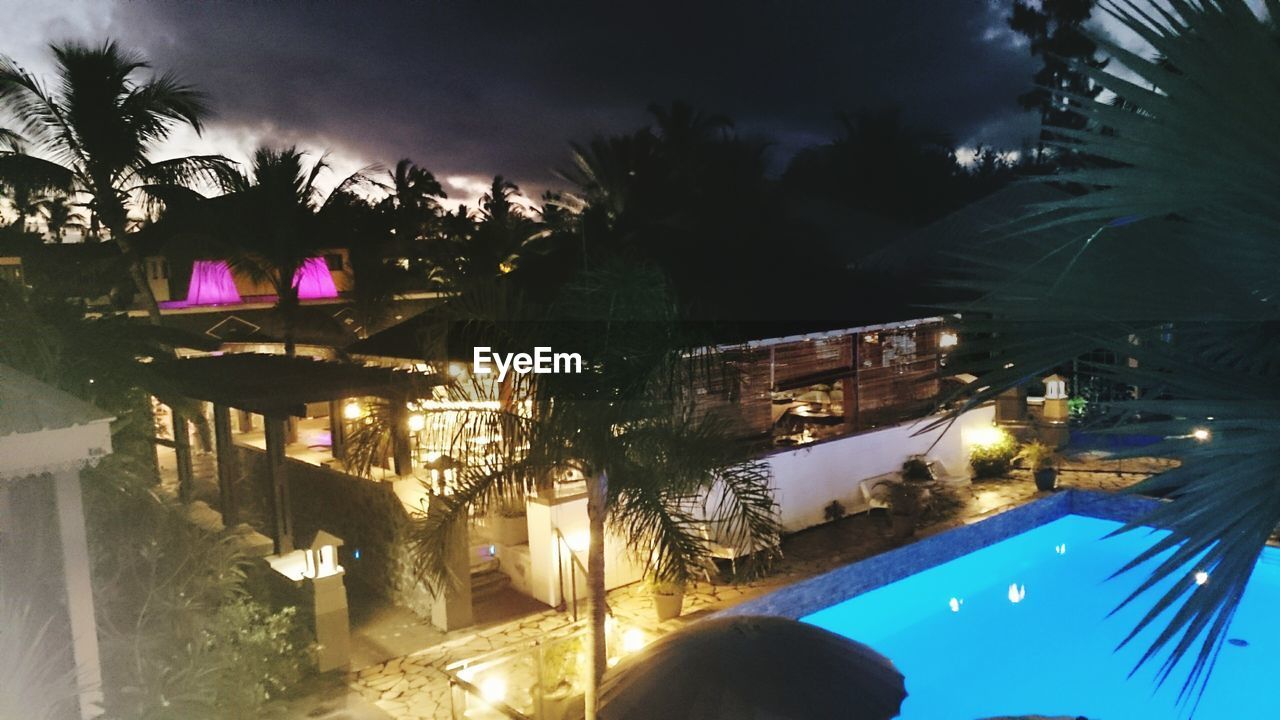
(476, 88)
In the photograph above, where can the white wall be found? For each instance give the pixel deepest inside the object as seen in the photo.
(807, 479)
(546, 564)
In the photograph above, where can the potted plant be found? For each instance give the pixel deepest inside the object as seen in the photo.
(917, 469)
(1039, 459)
(668, 598)
(906, 504)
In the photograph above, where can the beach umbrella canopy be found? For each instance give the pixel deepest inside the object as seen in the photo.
(753, 668)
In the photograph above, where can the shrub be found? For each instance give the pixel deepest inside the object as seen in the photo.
(916, 469)
(993, 458)
(182, 639)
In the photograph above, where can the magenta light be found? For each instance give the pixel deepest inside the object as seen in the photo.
(211, 284)
(314, 281)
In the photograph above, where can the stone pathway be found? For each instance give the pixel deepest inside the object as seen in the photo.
(415, 687)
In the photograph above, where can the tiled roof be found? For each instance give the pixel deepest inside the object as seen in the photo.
(29, 406)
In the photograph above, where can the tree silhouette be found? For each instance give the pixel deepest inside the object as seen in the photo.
(96, 135)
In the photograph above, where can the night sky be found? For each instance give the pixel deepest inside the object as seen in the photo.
(470, 89)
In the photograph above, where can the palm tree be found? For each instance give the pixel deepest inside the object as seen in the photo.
(274, 222)
(25, 200)
(60, 215)
(95, 135)
(627, 423)
(1170, 261)
(413, 200)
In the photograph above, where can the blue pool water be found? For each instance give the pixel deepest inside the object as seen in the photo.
(1021, 627)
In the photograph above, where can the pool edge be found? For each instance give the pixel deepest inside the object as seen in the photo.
(821, 591)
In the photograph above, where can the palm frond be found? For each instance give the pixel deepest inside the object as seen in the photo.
(42, 120)
(36, 173)
(192, 171)
(1167, 262)
(37, 678)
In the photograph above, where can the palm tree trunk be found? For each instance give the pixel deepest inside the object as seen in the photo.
(136, 272)
(288, 304)
(597, 491)
(139, 276)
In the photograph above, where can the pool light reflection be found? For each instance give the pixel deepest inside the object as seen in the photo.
(1017, 593)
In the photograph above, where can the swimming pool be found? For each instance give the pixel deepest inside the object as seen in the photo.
(1021, 626)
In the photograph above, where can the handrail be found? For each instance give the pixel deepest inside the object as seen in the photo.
(574, 565)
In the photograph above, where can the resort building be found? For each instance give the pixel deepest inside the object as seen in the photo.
(357, 448)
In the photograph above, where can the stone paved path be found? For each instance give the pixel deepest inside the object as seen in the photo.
(415, 687)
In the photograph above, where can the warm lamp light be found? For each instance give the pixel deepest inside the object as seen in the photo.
(579, 541)
(987, 436)
(1200, 434)
(417, 422)
(457, 370)
(493, 689)
(633, 640)
(948, 340)
(352, 410)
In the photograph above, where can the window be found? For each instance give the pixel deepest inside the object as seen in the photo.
(159, 268)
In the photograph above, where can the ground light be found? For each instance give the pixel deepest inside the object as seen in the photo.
(1201, 434)
(493, 689)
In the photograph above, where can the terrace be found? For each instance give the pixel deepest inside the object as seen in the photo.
(423, 685)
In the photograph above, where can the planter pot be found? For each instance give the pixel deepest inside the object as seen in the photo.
(902, 527)
(510, 530)
(1046, 479)
(668, 603)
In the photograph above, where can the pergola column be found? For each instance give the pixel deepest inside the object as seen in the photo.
(401, 448)
(182, 450)
(849, 387)
(278, 484)
(75, 567)
(228, 466)
(337, 430)
(244, 421)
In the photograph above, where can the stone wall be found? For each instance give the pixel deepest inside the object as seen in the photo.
(366, 514)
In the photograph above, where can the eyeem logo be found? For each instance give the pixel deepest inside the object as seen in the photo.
(541, 362)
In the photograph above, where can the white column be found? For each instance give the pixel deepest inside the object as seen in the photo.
(75, 568)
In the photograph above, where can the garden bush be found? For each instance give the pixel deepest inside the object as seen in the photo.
(995, 458)
(182, 637)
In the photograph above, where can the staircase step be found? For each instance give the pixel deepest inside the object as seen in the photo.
(488, 583)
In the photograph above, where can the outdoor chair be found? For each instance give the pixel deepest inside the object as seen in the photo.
(873, 496)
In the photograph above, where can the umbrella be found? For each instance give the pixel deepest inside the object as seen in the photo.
(753, 668)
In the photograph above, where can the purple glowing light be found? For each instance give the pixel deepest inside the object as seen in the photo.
(313, 280)
(212, 284)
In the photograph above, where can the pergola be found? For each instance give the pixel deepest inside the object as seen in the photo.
(278, 387)
(46, 437)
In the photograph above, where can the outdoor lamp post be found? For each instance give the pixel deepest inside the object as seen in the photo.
(314, 568)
